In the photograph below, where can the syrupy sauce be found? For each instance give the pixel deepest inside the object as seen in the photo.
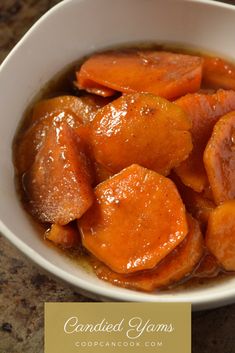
(62, 84)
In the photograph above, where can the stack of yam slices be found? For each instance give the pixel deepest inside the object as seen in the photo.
(139, 168)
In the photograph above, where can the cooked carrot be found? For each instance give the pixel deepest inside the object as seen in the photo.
(165, 74)
(204, 110)
(220, 237)
(219, 159)
(177, 266)
(58, 183)
(218, 73)
(208, 267)
(141, 128)
(93, 87)
(137, 219)
(64, 236)
(30, 141)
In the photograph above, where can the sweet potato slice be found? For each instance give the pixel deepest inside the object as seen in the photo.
(90, 103)
(44, 114)
(65, 236)
(137, 219)
(57, 185)
(219, 159)
(165, 74)
(141, 128)
(208, 267)
(46, 107)
(218, 73)
(83, 107)
(198, 204)
(220, 236)
(100, 173)
(204, 110)
(93, 87)
(175, 267)
(30, 141)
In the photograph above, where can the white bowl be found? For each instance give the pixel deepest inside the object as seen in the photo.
(67, 32)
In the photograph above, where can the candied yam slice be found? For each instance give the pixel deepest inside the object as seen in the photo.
(50, 106)
(65, 236)
(57, 185)
(93, 87)
(137, 219)
(143, 129)
(220, 236)
(83, 107)
(90, 103)
(204, 111)
(208, 267)
(218, 73)
(175, 267)
(199, 205)
(165, 74)
(219, 159)
(30, 141)
(100, 173)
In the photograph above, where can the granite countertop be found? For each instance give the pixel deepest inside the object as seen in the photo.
(24, 288)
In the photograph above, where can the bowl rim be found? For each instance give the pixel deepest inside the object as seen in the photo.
(220, 298)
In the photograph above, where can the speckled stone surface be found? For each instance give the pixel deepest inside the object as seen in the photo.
(24, 288)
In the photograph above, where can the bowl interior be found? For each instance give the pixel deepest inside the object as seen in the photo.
(72, 29)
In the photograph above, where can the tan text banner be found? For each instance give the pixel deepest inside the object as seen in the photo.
(117, 327)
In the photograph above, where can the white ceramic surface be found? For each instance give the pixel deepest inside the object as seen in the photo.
(67, 32)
